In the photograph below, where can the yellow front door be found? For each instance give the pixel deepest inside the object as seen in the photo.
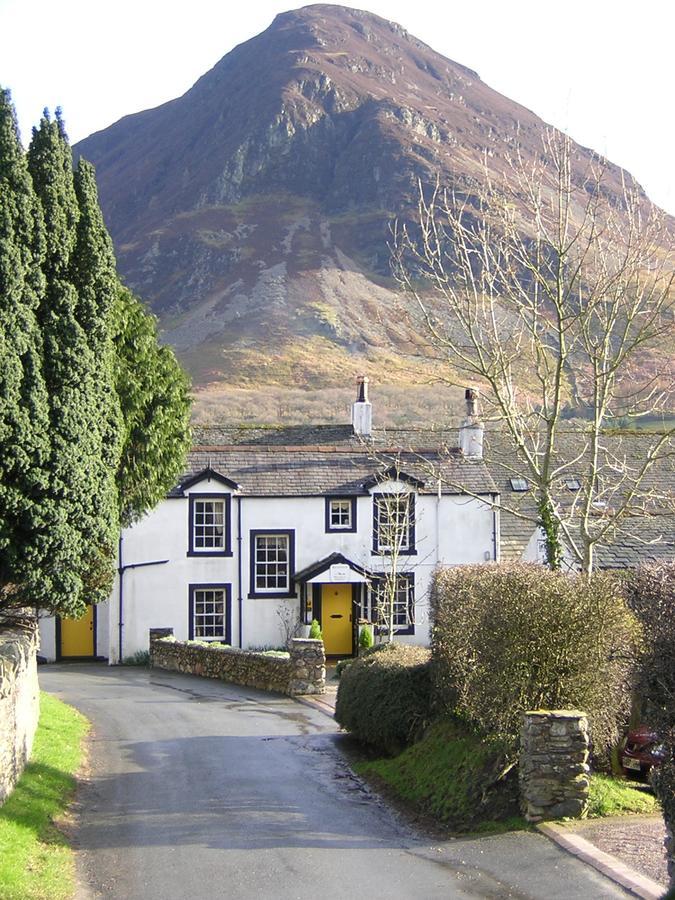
(336, 618)
(77, 635)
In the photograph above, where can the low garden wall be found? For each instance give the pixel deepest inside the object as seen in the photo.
(303, 671)
(19, 703)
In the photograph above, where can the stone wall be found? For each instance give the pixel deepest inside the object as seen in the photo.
(19, 703)
(554, 770)
(303, 671)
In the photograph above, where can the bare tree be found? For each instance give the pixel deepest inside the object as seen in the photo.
(552, 291)
(290, 623)
(394, 535)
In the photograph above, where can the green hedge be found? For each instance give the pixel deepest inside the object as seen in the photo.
(383, 698)
(650, 593)
(509, 638)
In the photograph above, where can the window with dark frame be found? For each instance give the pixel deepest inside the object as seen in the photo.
(209, 613)
(209, 525)
(272, 571)
(394, 523)
(340, 514)
(374, 605)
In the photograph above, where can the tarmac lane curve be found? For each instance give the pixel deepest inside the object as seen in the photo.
(197, 789)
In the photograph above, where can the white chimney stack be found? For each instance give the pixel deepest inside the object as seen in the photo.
(362, 410)
(471, 429)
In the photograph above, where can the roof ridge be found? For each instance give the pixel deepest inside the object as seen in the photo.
(323, 448)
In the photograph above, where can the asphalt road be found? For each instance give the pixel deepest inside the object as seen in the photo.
(198, 789)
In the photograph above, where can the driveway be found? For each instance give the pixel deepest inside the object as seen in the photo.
(199, 789)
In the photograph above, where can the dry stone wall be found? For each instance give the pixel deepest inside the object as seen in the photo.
(302, 672)
(554, 770)
(19, 704)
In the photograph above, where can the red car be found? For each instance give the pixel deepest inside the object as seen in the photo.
(641, 751)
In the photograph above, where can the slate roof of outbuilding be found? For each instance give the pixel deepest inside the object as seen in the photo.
(294, 461)
(641, 537)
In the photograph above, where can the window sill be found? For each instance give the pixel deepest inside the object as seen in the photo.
(397, 631)
(209, 553)
(272, 596)
(377, 552)
(349, 530)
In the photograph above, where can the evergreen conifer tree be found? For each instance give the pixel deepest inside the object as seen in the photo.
(71, 369)
(93, 412)
(95, 279)
(28, 521)
(154, 396)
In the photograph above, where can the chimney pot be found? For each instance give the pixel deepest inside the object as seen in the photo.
(471, 398)
(471, 429)
(362, 388)
(362, 411)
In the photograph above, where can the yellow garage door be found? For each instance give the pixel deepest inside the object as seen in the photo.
(77, 635)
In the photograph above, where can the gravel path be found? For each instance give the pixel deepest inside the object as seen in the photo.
(636, 840)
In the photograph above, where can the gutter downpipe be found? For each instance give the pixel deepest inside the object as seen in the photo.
(240, 600)
(495, 528)
(121, 569)
(120, 617)
(438, 522)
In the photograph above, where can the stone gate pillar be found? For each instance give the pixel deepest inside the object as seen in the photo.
(554, 770)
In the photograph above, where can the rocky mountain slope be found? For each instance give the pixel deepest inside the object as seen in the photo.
(253, 212)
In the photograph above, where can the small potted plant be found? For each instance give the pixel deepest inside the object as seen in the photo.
(366, 639)
(315, 631)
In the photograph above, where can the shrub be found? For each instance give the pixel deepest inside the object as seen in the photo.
(515, 637)
(341, 665)
(664, 788)
(315, 631)
(265, 648)
(383, 697)
(650, 593)
(366, 637)
(139, 658)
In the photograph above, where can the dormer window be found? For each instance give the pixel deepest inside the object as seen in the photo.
(209, 525)
(341, 514)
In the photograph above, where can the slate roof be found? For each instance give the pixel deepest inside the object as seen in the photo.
(294, 461)
(644, 536)
(315, 460)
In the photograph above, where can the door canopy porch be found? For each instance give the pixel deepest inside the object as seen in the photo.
(333, 569)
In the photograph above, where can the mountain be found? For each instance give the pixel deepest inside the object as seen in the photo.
(253, 212)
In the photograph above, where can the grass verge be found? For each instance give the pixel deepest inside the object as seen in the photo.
(452, 776)
(612, 797)
(36, 862)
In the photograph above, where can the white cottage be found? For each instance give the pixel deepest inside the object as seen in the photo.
(294, 522)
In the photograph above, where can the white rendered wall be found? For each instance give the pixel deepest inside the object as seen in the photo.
(47, 630)
(157, 596)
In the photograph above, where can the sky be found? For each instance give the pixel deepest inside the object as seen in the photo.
(601, 70)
